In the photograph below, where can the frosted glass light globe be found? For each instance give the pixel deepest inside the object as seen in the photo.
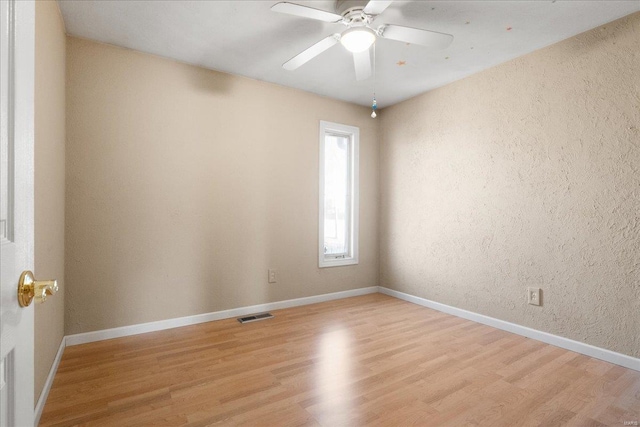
(358, 39)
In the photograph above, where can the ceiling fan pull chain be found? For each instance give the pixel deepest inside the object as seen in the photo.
(374, 105)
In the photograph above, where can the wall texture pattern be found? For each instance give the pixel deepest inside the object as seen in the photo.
(49, 181)
(185, 185)
(527, 174)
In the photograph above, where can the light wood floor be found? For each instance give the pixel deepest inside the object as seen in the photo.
(370, 360)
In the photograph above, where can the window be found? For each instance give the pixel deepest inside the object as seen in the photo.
(338, 223)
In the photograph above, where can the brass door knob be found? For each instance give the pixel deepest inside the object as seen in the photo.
(29, 288)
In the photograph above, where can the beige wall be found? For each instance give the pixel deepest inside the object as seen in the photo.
(184, 185)
(49, 181)
(526, 174)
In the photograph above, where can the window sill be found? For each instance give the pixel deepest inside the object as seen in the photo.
(337, 262)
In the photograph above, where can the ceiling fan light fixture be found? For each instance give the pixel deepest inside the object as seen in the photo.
(358, 39)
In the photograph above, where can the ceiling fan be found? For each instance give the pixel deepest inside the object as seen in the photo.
(358, 16)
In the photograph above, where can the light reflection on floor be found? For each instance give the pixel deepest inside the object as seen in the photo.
(334, 378)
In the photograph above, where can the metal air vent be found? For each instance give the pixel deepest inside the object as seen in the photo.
(255, 317)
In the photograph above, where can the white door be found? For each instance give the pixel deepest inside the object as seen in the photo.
(17, 28)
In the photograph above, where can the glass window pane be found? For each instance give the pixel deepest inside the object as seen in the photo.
(336, 195)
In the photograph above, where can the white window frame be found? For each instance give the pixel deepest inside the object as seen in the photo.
(353, 133)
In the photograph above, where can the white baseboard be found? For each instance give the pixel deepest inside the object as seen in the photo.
(566, 343)
(142, 328)
(49, 382)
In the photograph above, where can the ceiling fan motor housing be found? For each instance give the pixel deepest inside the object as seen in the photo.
(349, 8)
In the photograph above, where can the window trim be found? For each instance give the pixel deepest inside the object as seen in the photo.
(354, 135)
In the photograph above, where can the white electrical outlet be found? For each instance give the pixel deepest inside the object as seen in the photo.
(534, 296)
(272, 276)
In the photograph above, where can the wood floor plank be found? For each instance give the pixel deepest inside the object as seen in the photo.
(369, 360)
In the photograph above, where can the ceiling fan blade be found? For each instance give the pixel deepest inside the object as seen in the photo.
(376, 7)
(362, 61)
(426, 38)
(306, 12)
(310, 53)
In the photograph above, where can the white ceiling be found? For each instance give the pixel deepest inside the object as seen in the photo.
(246, 38)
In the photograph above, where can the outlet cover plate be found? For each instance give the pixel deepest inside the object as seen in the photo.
(272, 276)
(534, 296)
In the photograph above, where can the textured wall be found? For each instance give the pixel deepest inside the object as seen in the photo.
(527, 174)
(49, 181)
(185, 185)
